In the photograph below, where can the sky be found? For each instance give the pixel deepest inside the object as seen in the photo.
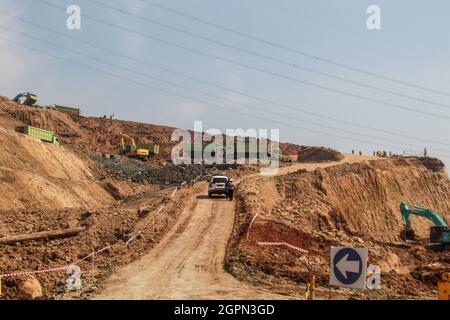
(412, 46)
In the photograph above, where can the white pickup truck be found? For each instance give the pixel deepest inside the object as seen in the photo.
(218, 185)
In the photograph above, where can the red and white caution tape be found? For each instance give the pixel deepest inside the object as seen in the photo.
(173, 193)
(132, 238)
(282, 244)
(154, 217)
(93, 254)
(250, 226)
(26, 273)
(60, 269)
(57, 269)
(138, 233)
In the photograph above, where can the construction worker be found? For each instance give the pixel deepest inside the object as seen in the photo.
(310, 288)
(230, 189)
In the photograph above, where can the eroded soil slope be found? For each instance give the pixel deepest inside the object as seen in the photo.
(349, 204)
(34, 174)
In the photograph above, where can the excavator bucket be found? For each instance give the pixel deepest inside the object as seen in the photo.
(407, 235)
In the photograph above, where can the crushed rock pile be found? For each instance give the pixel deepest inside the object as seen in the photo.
(132, 170)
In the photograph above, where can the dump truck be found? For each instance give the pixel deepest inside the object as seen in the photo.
(30, 99)
(43, 135)
(240, 149)
(74, 111)
(152, 148)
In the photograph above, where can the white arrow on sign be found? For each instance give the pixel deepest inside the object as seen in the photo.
(344, 266)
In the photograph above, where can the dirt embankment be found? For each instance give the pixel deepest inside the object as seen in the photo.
(34, 174)
(349, 204)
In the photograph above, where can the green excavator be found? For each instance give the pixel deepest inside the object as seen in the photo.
(439, 233)
(30, 98)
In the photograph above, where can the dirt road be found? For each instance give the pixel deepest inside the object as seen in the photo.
(189, 262)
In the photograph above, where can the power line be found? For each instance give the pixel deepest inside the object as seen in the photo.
(169, 92)
(282, 105)
(261, 70)
(299, 52)
(266, 57)
(290, 117)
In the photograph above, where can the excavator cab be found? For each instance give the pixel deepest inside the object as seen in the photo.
(437, 233)
(30, 99)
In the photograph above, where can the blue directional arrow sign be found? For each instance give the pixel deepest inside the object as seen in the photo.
(348, 267)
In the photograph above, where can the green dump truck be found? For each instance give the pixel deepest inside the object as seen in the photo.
(44, 135)
(74, 111)
(152, 148)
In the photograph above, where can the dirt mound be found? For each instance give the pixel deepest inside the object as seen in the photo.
(352, 205)
(318, 154)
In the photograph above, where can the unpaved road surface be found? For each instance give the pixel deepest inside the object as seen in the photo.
(189, 262)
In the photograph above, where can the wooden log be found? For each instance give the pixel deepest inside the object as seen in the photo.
(55, 234)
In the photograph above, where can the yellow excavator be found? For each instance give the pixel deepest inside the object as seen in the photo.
(131, 150)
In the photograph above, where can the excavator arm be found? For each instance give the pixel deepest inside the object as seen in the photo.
(30, 98)
(124, 136)
(421, 212)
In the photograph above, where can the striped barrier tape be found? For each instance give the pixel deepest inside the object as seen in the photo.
(93, 254)
(138, 233)
(156, 214)
(57, 269)
(173, 193)
(132, 238)
(283, 244)
(26, 273)
(250, 226)
(64, 268)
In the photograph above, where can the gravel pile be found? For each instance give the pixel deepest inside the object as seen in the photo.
(132, 170)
